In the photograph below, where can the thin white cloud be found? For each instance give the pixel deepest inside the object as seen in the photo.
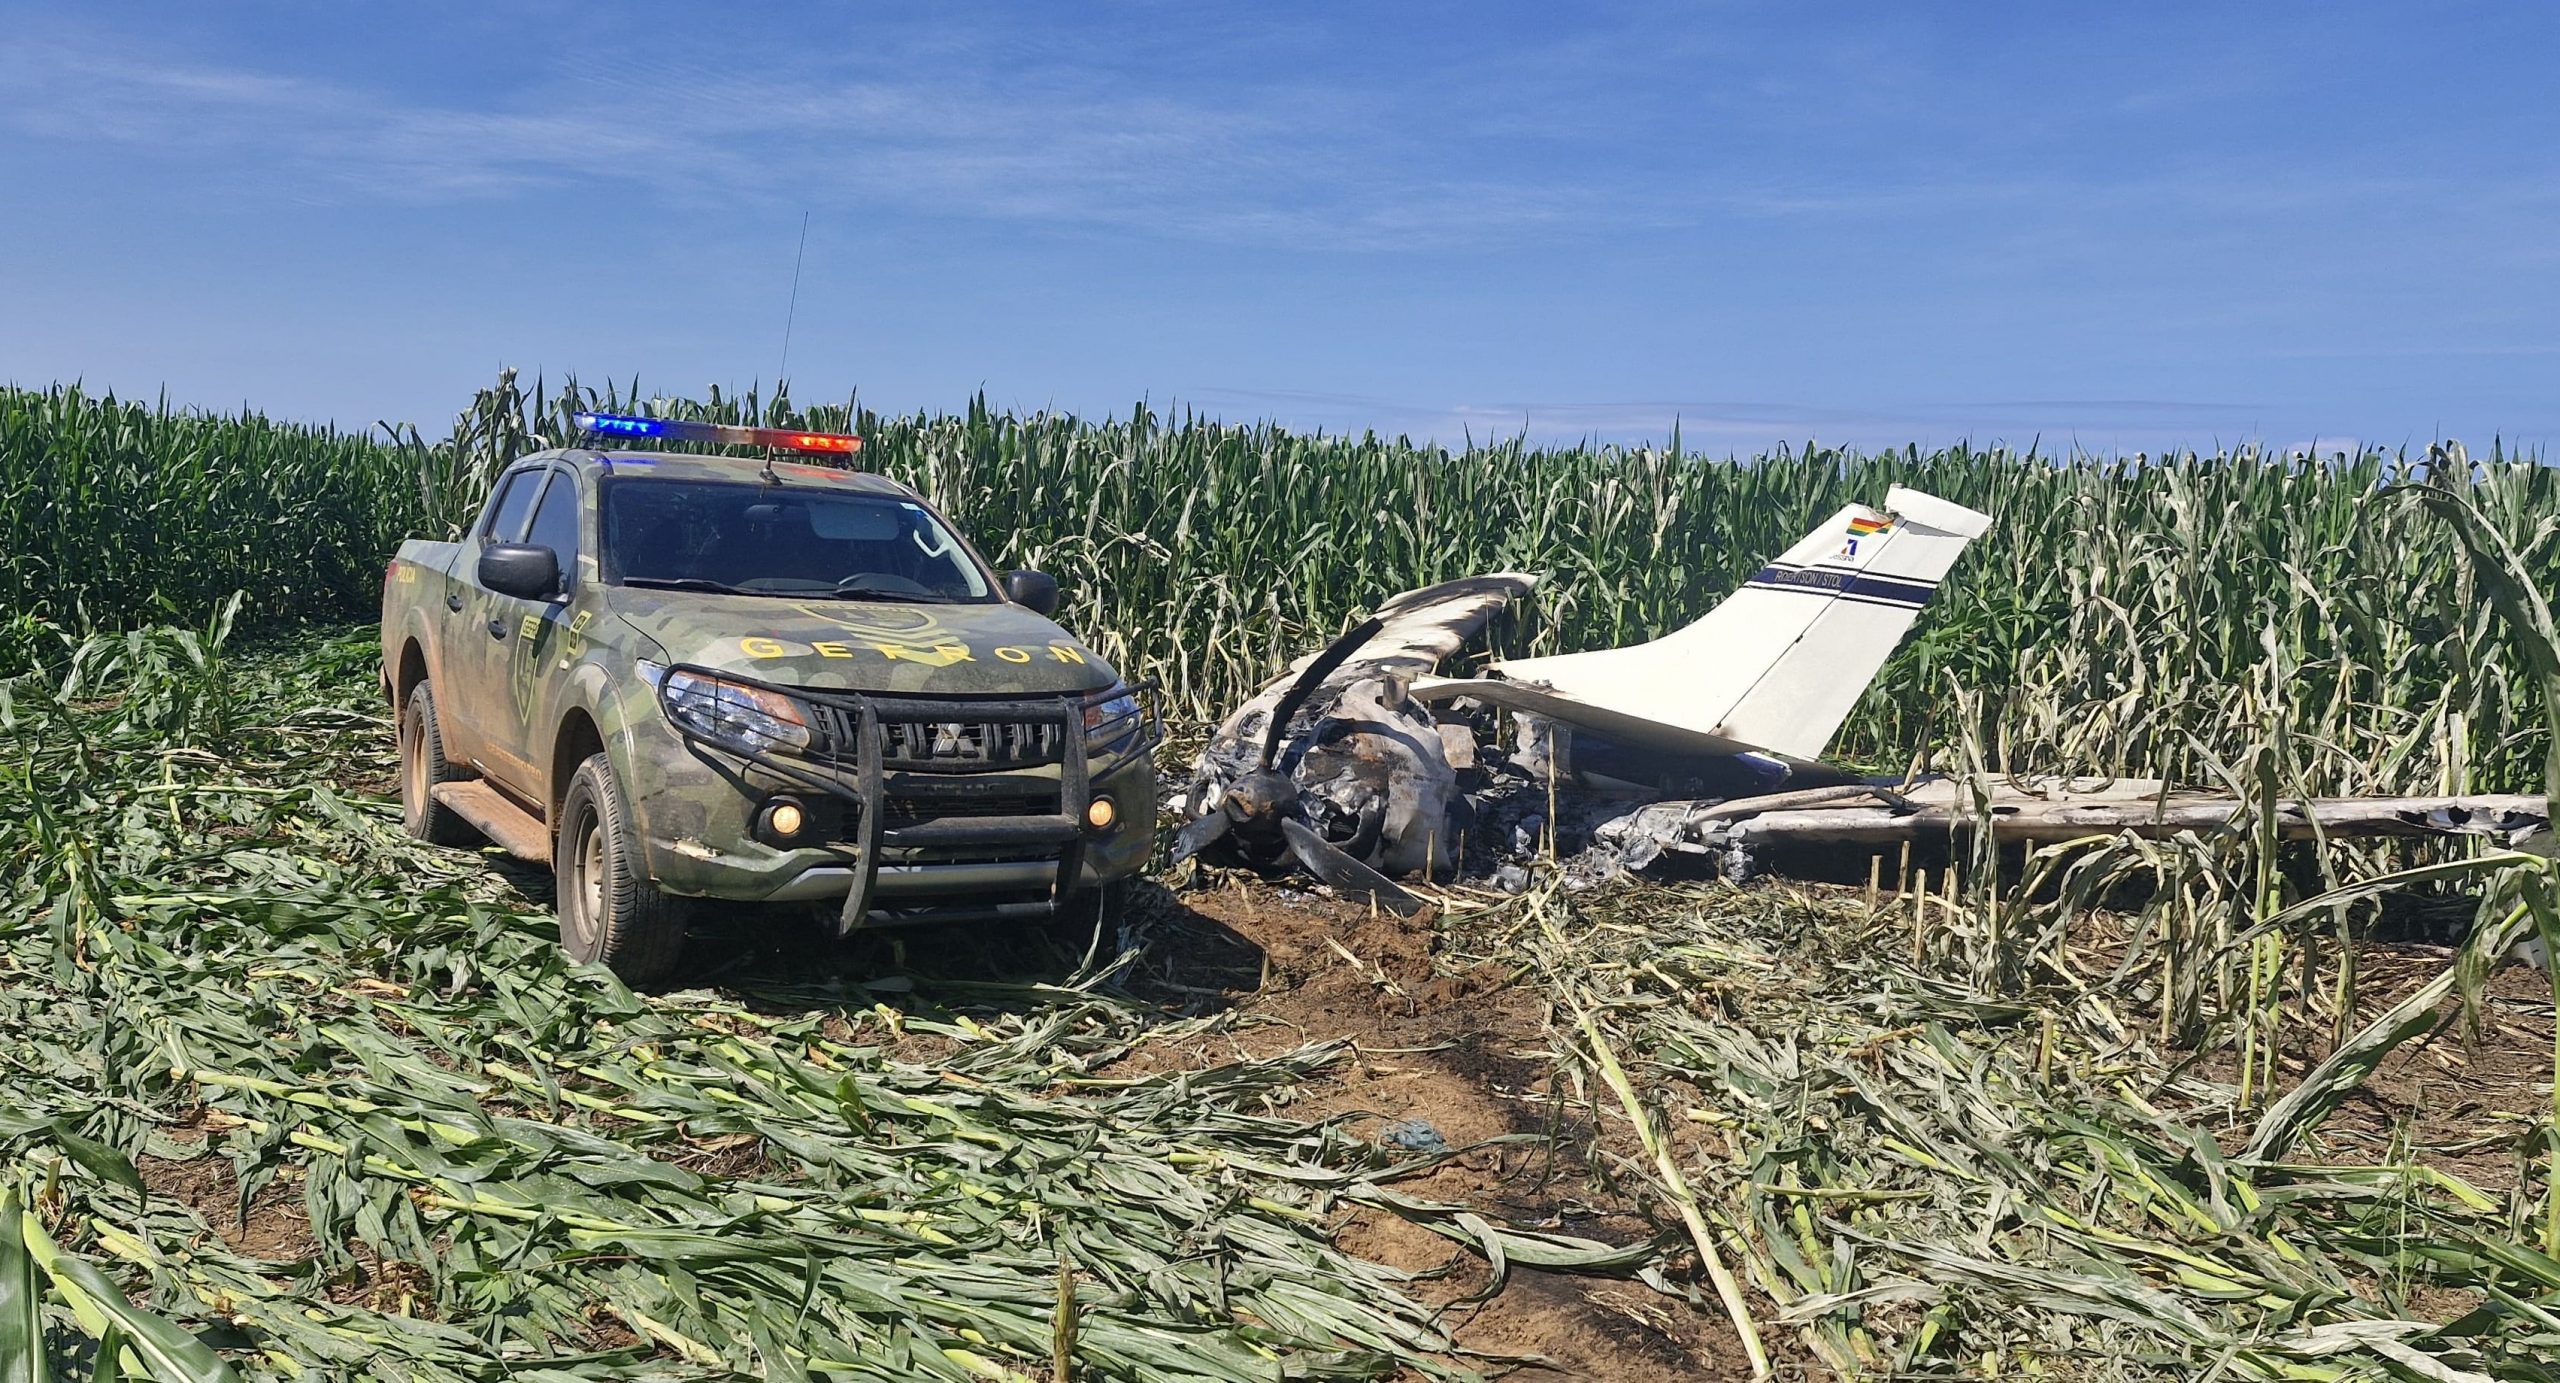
(959, 125)
(1746, 427)
(1297, 167)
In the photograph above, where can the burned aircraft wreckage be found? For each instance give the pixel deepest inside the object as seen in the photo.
(1360, 766)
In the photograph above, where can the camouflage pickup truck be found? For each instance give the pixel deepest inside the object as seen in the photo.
(679, 677)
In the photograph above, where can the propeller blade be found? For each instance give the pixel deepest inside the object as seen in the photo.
(1349, 875)
(1312, 678)
(1201, 834)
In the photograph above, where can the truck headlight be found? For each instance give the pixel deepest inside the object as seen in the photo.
(733, 713)
(1109, 725)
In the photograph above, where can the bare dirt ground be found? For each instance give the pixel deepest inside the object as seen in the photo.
(2453, 1098)
(275, 1227)
(1466, 1053)
(1469, 1052)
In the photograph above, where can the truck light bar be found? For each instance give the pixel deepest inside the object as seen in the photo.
(719, 434)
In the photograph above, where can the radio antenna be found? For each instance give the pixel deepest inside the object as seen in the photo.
(792, 313)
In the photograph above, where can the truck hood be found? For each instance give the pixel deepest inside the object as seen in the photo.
(839, 645)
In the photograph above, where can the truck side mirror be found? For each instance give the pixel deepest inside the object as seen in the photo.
(520, 570)
(1038, 590)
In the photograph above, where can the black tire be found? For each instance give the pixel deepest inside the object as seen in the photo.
(422, 767)
(610, 910)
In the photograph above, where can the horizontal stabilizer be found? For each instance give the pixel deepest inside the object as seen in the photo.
(1630, 730)
(1780, 663)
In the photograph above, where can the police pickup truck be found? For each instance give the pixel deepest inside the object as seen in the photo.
(677, 677)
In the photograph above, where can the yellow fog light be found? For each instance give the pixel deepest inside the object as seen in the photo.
(1100, 814)
(782, 820)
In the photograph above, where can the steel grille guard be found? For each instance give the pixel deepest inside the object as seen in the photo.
(867, 714)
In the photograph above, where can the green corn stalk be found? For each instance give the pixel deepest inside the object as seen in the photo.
(22, 1342)
(2517, 598)
(128, 1339)
(187, 886)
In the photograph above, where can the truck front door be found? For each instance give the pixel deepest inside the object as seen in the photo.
(471, 688)
(534, 637)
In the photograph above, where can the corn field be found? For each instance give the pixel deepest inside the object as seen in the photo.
(2159, 615)
(1959, 1131)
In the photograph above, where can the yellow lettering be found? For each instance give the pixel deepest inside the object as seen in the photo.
(832, 650)
(531, 626)
(1011, 655)
(1061, 653)
(953, 653)
(575, 645)
(892, 651)
(761, 648)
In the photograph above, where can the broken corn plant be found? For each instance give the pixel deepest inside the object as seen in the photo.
(125, 1342)
(481, 1141)
(1927, 1181)
(485, 1162)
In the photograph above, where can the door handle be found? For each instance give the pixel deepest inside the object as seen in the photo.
(453, 601)
(497, 629)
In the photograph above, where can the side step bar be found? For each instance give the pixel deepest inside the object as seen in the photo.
(517, 831)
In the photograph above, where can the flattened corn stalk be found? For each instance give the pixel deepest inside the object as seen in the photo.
(2279, 627)
(1923, 1180)
(509, 1168)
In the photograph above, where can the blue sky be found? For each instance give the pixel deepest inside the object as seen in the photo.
(2130, 227)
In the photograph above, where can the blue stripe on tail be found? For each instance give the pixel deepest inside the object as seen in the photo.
(1875, 590)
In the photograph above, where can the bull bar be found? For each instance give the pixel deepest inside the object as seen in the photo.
(864, 717)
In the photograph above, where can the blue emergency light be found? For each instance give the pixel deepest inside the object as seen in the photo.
(718, 434)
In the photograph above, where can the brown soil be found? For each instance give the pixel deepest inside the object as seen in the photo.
(383, 783)
(2460, 1102)
(276, 1229)
(1466, 1053)
(2448, 1088)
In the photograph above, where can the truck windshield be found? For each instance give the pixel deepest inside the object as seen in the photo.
(766, 540)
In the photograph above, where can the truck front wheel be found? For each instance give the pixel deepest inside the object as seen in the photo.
(422, 767)
(610, 909)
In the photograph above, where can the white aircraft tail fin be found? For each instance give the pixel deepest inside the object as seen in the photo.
(1782, 661)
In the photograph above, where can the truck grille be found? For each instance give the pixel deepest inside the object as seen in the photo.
(990, 743)
(960, 743)
(907, 811)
